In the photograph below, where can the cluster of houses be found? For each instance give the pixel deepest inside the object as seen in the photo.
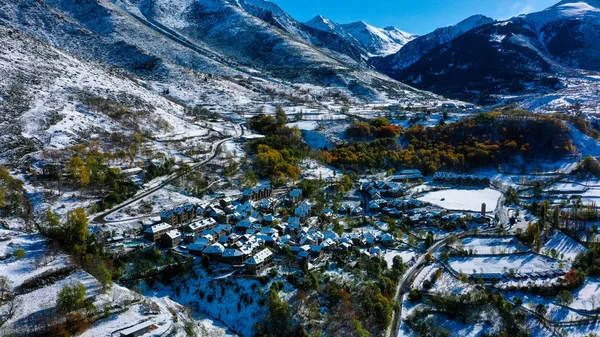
(460, 179)
(248, 231)
(258, 192)
(377, 189)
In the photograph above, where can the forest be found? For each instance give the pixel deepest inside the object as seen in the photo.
(276, 156)
(487, 139)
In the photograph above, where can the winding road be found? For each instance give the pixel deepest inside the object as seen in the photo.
(410, 275)
(100, 218)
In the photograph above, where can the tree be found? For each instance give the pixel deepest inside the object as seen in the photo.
(98, 268)
(379, 122)
(281, 116)
(564, 298)
(78, 170)
(19, 253)
(429, 239)
(75, 227)
(390, 131)
(70, 298)
(51, 224)
(359, 130)
(541, 311)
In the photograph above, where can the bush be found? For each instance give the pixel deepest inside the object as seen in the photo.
(70, 298)
(19, 253)
(564, 298)
(415, 295)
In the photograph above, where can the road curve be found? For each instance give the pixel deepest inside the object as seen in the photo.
(408, 279)
(100, 219)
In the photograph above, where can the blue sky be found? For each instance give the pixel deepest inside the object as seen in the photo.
(413, 16)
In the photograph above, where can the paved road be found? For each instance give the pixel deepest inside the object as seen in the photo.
(409, 277)
(100, 219)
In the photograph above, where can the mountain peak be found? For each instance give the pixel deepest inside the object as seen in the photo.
(357, 24)
(591, 3)
(475, 19)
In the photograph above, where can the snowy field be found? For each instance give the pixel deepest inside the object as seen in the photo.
(406, 255)
(564, 245)
(588, 296)
(463, 199)
(35, 302)
(165, 198)
(36, 261)
(525, 263)
(219, 297)
(312, 169)
(506, 245)
(566, 188)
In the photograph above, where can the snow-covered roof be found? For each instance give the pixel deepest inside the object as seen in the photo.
(173, 234)
(259, 257)
(232, 252)
(216, 248)
(157, 228)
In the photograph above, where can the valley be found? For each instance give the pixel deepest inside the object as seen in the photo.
(219, 168)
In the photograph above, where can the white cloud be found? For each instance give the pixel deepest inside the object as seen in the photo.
(518, 8)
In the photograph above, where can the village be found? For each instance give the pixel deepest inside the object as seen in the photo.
(192, 237)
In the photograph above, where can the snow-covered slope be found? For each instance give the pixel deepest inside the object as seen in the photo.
(181, 41)
(322, 23)
(538, 57)
(417, 48)
(211, 54)
(569, 31)
(44, 93)
(372, 40)
(378, 41)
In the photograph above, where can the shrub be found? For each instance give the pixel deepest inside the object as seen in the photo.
(70, 298)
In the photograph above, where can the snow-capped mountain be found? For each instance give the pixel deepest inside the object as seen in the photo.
(324, 24)
(161, 40)
(378, 41)
(531, 54)
(569, 32)
(417, 48)
(372, 40)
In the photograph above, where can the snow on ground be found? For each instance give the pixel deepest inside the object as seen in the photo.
(35, 262)
(564, 245)
(165, 198)
(36, 302)
(588, 296)
(312, 169)
(316, 140)
(581, 330)
(425, 274)
(168, 318)
(585, 144)
(304, 125)
(463, 199)
(232, 150)
(504, 245)
(562, 187)
(449, 283)
(220, 297)
(406, 255)
(522, 263)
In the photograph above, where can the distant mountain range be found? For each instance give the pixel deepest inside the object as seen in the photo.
(535, 53)
(479, 59)
(370, 40)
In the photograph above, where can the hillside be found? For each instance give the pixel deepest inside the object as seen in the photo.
(163, 41)
(528, 56)
(417, 48)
